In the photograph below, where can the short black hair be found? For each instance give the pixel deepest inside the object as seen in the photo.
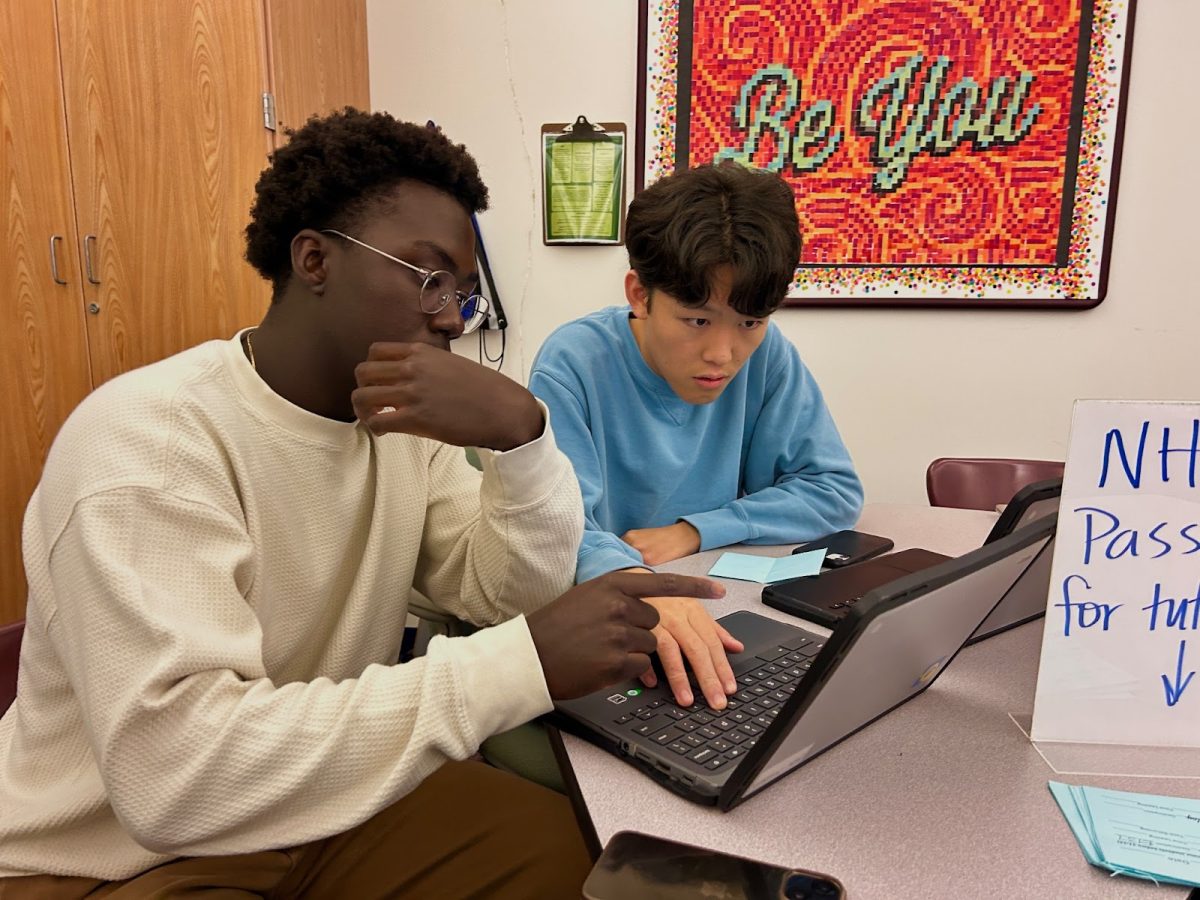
(333, 171)
(685, 226)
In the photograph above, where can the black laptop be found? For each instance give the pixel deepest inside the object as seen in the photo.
(801, 693)
(825, 598)
(1027, 505)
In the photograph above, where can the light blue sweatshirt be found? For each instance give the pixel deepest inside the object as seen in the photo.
(762, 464)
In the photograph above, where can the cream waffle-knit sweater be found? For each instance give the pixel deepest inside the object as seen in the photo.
(218, 581)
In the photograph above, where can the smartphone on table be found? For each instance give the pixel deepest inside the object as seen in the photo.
(636, 866)
(846, 547)
(826, 598)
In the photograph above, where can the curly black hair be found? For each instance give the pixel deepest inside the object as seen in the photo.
(685, 226)
(335, 168)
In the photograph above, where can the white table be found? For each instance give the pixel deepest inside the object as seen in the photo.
(943, 797)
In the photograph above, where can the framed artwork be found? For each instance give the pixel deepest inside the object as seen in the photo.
(953, 153)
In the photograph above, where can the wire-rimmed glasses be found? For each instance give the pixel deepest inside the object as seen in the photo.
(437, 288)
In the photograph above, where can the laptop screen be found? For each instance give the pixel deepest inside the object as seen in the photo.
(1025, 600)
(920, 623)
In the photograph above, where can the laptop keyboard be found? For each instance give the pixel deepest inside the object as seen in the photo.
(713, 739)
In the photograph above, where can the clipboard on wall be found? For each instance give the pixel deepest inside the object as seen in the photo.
(583, 182)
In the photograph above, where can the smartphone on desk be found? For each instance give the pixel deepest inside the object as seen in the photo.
(827, 598)
(846, 547)
(637, 866)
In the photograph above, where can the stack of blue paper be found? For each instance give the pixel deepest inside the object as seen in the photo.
(1143, 835)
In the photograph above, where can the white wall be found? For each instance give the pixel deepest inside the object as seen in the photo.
(905, 386)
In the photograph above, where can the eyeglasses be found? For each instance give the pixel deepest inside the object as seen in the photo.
(437, 288)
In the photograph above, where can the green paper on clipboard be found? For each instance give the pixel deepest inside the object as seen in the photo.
(583, 183)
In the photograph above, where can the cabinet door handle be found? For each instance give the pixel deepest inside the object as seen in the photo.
(58, 279)
(88, 241)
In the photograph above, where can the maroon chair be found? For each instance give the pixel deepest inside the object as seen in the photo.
(982, 483)
(10, 653)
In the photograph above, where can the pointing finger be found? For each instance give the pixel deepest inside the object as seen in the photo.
(667, 584)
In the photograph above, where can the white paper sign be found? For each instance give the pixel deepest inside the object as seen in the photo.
(1121, 649)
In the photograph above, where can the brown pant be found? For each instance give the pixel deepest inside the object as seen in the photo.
(468, 831)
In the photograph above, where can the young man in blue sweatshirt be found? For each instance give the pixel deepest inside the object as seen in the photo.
(690, 419)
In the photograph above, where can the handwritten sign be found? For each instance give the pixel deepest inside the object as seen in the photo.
(1121, 648)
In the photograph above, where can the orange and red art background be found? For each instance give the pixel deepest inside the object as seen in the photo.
(999, 206)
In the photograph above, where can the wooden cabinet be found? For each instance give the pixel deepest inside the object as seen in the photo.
(331, 38)
(43, 343)
(164, 113)
(131, 135)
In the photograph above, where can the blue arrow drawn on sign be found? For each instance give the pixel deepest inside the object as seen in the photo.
(1174, 691)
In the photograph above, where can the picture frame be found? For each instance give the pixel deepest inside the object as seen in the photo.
(956, 154)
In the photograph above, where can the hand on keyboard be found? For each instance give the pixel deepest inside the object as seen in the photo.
(685, 629)
(599, 632)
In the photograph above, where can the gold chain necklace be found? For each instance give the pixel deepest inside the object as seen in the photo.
(250, 349)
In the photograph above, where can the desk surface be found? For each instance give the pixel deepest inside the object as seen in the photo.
(943, 797)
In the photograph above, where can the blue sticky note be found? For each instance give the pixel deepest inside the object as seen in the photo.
(767, 569)
(742, 566)
(797, 565)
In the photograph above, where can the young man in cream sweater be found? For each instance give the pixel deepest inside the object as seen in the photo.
(220, 556)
